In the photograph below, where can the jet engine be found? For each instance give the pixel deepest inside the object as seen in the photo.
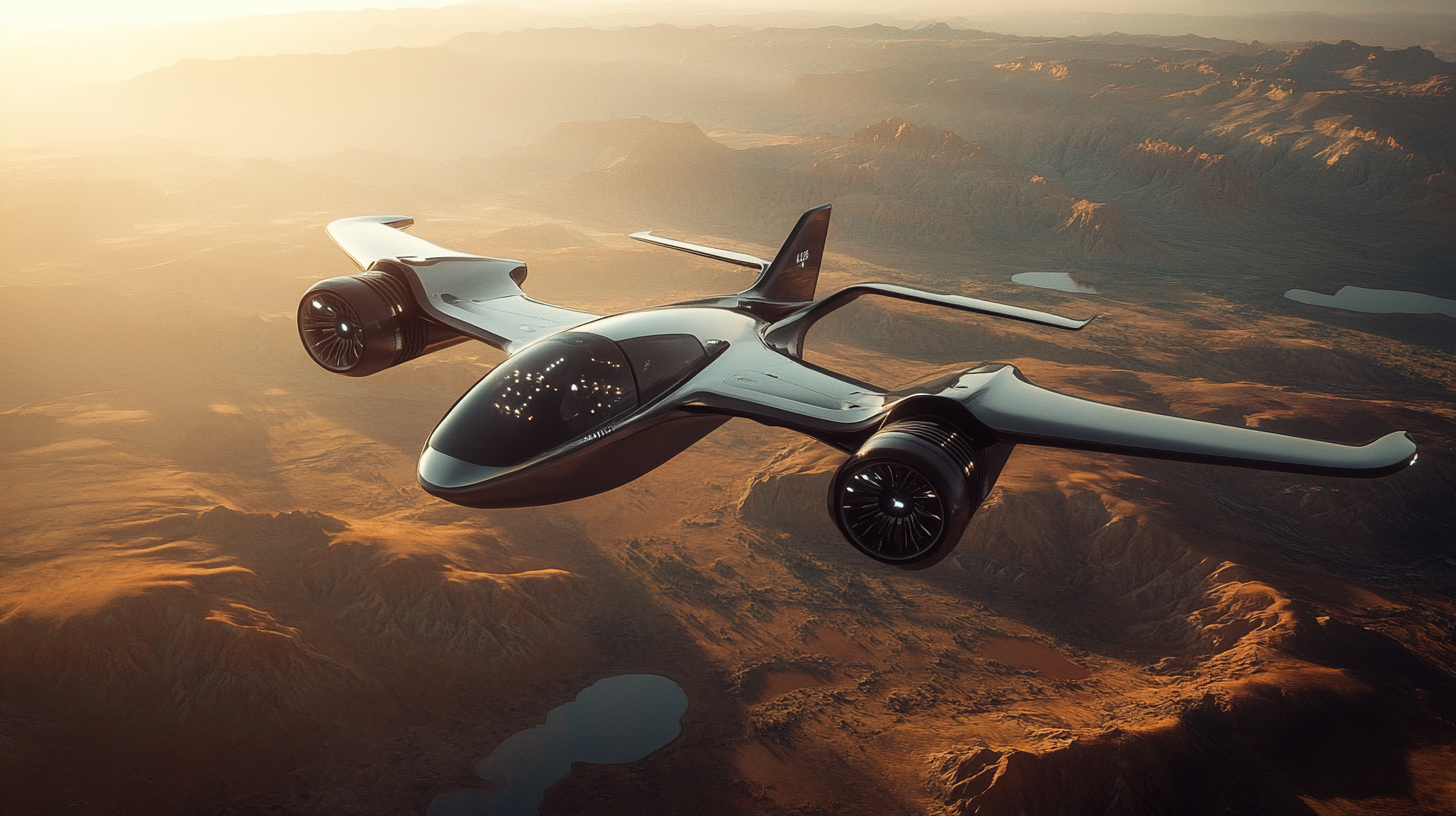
(358, 325)
(905, 497)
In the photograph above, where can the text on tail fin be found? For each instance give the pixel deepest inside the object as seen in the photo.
(794, 273)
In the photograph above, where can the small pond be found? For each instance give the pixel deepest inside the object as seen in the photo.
(616, 720)
(1060, 281)
(1379, 301)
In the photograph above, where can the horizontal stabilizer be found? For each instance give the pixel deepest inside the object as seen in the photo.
(966, 304)
(727, 256)
(790, 277)
(787, 335)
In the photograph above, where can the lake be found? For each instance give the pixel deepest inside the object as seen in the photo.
(1060, 281)
(1378, 301)
(613, 721)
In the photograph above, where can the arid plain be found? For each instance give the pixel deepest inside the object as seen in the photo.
(223, 592)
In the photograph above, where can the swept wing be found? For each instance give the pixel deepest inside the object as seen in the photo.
(475, 295)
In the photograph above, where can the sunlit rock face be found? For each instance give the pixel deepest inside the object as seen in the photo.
(1212, 183)
(221, 589)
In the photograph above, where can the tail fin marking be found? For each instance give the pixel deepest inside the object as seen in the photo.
(794, 273)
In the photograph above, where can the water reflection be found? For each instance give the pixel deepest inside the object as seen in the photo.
(1378, 301)
(1060, 281)
(616, 720)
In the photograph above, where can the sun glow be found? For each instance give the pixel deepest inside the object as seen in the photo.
(69, 13)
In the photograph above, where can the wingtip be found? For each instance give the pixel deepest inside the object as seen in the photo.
(1403, 444)
(1390, 454)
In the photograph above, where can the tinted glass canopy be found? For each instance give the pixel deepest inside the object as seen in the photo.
(661, 361)
(549, 394)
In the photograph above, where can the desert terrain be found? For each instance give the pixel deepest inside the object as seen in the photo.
(221, 590)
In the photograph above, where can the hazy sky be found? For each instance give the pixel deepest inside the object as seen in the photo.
(32, 14)
(56, 13)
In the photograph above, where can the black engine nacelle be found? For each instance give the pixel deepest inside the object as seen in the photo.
(361, 324)
(905, 497)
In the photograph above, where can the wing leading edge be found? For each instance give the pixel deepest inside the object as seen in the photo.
(475, 295)
(1015, 410)
(372, 238)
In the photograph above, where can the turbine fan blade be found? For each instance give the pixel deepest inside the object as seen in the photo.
(332, 332)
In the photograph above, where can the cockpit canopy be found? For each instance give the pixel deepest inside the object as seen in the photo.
(560, 389)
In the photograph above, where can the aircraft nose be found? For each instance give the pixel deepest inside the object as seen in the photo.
(441, 473)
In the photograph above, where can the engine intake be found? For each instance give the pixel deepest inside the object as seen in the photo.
(362, 324)
(905, 497)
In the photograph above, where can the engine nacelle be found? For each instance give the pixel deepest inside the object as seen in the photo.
(361, 324)
(905, 497)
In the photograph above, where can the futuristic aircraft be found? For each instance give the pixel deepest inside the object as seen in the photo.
(586, 402)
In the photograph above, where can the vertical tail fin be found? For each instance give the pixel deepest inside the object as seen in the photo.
(794, 273)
